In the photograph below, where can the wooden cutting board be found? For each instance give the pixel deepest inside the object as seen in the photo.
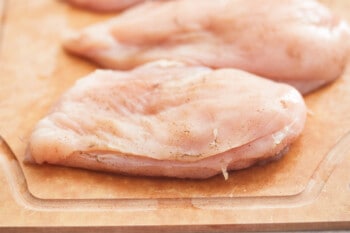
(309, 188)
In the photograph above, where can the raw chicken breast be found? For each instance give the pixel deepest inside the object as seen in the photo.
(299, 42)
(168, 119)
(105, 5)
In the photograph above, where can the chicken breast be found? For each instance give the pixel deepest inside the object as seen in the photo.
(104, 5)
(168, 119)
(299, 42)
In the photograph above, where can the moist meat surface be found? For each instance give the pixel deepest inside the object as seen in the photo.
(294, 41)
(169, 119)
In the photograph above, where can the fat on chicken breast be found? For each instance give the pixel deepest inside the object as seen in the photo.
(104, 5)
(169, 119)
(299, 42)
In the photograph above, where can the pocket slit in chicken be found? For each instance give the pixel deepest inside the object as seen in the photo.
(169, 119)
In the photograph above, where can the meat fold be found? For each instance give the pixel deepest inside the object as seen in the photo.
(169, 119)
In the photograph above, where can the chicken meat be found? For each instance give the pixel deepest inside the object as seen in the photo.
(104, 5)
(166, 118)
(299, 42)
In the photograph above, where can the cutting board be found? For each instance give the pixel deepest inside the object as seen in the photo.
(309, 188)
